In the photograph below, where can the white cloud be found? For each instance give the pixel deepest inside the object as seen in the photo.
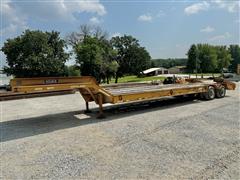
(207, 29)
(15, 14)
(195, 8)
(230, 6)
(221, 37)
(61, 10)
(145, 17)
(12, 19)
(95, 20)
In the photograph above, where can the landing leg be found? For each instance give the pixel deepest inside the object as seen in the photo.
(87, 108)
(100, 103)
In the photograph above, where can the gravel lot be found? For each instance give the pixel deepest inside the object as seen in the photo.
(51, 138)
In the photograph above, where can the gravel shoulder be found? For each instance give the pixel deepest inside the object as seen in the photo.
(51, 138)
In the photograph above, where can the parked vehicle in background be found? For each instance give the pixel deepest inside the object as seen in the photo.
(228, 75)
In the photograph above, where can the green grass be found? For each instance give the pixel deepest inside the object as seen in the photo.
(126, 79)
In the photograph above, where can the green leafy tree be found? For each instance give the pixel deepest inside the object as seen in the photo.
(128, 56)
(140, 60)
(168, 63)
(193, 62)
(234, 50)
(35, 54)
(89, 57)
(72, 70)
(94, 53)
(223, 58)
(208, 58)
(109, 65)
(96, 58)
(153, 64)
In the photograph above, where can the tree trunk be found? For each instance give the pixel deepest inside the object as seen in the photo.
(107, 80)
(116, 78)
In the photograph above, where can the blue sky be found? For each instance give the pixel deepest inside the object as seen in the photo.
(165, 28)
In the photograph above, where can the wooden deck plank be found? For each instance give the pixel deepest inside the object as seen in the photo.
(149, 88)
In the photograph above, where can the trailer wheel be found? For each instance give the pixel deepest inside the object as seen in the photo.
(210, 94)
(221, 92)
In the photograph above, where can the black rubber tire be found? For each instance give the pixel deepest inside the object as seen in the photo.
(210, 94)
(221, 92)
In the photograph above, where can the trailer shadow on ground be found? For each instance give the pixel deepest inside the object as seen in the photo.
(21, 128)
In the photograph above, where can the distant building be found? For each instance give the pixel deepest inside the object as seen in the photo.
(177, 69)
(155, 71)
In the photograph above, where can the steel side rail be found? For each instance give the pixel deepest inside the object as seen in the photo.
(156, 94)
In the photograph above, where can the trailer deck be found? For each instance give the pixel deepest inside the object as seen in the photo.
(149, 88)
(120, 93)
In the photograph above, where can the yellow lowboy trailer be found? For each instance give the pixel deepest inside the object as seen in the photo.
(117, 93)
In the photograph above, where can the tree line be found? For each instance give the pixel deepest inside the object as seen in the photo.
(168, 63)
(205, 58)
(39, 54)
